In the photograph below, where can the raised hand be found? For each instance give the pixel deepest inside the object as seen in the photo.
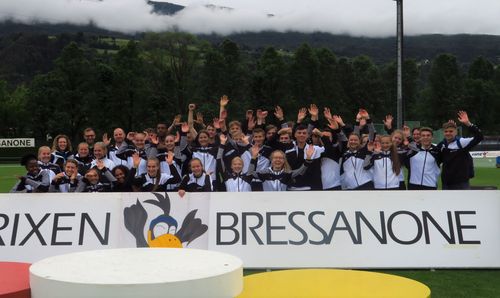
(185, 127)
(333, 124)
(58, 176)
(339, 120)
(192, 107)
(177, 120)
(223, 139)
(464, 118)
(370, 146)
(223, 115)
(261, 114)
(216, 123)
(154, 139)
(251, 123)
(224, 100)
(388, 121)
(105, 139)
(378, 147)
(245, 140)
(327, 113)
(301, 115)
(310, 152)
(131, 135)
(249, 114)
(313, 111)
(199, 119)
(136, 160)
(169, 158)
(316, 132)
(278, 113)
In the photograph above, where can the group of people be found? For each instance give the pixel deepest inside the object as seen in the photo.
(255, 155)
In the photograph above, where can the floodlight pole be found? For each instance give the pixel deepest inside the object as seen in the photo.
(400, 104)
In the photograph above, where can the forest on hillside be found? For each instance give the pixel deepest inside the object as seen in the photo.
(63, 83)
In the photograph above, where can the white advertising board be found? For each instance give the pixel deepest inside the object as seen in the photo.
(375, 229)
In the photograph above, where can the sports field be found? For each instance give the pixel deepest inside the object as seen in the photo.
(443, 283)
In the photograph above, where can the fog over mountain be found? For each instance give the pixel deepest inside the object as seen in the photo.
(374, 18)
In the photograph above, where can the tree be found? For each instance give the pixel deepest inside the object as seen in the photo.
(445, 89)
(269, 82)
(303, 76)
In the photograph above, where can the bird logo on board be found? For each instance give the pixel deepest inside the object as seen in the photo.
(163, 231)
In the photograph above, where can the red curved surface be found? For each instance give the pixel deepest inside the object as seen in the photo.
(14, 280)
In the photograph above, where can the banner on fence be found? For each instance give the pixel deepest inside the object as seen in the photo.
(17, 143)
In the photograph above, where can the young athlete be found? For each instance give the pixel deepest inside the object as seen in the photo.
(279, 176)
(423, 162)
(234, 178)
(154, 180)
(61, 150)
(458, 166)
(197, 180)
(83, 158)
(35, 180)
(44, 156)
(93, 182)
(66, 181)
(385, 163)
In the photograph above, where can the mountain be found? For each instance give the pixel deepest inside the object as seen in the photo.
(165, 8)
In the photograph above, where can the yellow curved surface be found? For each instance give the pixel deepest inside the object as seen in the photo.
(165, 241)
(316, 283)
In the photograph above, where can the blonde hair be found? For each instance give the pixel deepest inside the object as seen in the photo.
(286, 165)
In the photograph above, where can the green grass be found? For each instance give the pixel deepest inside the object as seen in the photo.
(443, 283)
(8, 176)
(448, 283)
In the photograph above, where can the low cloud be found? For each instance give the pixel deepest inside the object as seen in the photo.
(360, 18)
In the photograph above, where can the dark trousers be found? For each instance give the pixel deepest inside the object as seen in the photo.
(457, 186)
(420, 187)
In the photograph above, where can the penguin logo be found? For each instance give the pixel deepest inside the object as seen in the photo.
(163, 230)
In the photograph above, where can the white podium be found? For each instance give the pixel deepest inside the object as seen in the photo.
(138, 272)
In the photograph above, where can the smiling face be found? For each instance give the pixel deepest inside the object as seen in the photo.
(120, 175)
(211, 131)
(426, 138)
(385, 143)
(119, 135)
(44, 154)
(258, 138)
(92, 176)
(450, 134)
(353, 142)
(83, 150)
(32, 167)
(99, 152)
(139, 140)
(285, 138)
(301, 135)
(152, 167)
(397, 138)
(237, 165)
(278, 159)
(62, 144)
(196, 167)
(70, 168)
(203, 139)
(170, 143)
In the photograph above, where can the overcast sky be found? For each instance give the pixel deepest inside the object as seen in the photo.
(360, 18)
